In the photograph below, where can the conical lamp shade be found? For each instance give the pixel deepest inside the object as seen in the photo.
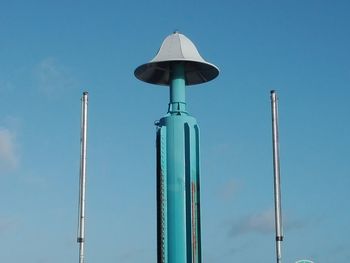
(177, 48)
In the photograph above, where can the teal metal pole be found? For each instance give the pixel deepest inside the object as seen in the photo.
(177, 64)
(177, 89)
(178, 179)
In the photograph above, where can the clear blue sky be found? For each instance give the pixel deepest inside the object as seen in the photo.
(51, 51)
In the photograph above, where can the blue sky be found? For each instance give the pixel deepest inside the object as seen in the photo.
(52, 51)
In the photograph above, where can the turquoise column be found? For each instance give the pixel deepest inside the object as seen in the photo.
(177, 98)
(176, 169)
(177, 64)
(178, 179)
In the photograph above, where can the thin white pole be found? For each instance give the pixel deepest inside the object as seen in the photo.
(82, 180)
(276, 170)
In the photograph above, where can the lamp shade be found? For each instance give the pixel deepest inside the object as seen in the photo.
(177, 48)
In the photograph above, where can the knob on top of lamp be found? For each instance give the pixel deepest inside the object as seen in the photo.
(177, 48)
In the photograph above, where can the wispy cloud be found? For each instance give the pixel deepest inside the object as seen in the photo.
(9, 158)
(52, 77)
(228, 190)
(6, 85)
(48, 76)
(6, 224)
(136, 255)
(261, 223)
